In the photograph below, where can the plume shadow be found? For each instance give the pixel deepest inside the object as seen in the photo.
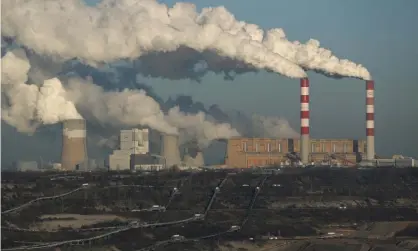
(187, 63)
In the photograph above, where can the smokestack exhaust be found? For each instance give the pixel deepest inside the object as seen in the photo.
(370, 151)
(73, 144)
(304, 120)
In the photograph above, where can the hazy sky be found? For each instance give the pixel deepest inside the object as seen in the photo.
(380, 34)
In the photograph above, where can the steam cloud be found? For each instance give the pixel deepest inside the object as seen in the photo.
(175, 43)
(272, 127)
(133, 107)
(128, 29)
(25, 106)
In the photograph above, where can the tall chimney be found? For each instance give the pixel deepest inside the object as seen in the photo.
(73, 144)
(370, 120)
(304, 120)
(170, 150)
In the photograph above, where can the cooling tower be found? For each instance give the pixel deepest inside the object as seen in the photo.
(197, 161)
(304, 120)
(73, 144)
(188, 160)
(170, 150)
(370, 152)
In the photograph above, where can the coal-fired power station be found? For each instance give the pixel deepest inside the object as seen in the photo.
(304, 121)
(170, 150)
(73, 144)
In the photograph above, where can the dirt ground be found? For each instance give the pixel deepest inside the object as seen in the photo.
(382, 229)
(250, 246)
(72, 221)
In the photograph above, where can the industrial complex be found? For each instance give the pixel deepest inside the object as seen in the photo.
(134, 150)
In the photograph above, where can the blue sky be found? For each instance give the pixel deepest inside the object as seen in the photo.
(380, 34)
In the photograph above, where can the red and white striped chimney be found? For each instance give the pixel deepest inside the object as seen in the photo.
(304, 120)
(370, 154)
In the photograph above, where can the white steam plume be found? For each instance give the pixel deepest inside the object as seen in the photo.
(198, 126)
(272, 127)
(125, 108)
(134, 107)
(311, 56)
(127, 29)
(26, 106)
(121, 29)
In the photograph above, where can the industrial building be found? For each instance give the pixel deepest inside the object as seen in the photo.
(145, 162)
(250, 152)
(27, 166)
(134, 141)
(134, 154)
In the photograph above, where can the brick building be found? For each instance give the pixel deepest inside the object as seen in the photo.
(248, 152)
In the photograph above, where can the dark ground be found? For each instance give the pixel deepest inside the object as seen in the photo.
(301, 206)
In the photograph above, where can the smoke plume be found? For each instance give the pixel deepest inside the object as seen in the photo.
(250, 126)
(272, 127)
(118, 109)
(200, 126)
(25, 106)
(128, 29)
(134, 107)
(312, 57)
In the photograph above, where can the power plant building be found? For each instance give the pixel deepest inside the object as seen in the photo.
(134, 141)
(27, 166)
(251, 152)
(145, 162)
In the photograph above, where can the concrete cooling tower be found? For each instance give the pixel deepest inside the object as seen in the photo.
(194, 162)
(198, 160)
(73, 144)
(170, 150)
(193, 156)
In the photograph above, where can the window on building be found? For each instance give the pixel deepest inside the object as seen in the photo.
(313, 148)
(280, 147)
(334, 147)
(268, 147)
(256, 147)
(244, 146)
(324, 148)
(345, 147)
